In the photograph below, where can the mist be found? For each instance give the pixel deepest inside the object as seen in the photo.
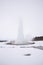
(30, 12)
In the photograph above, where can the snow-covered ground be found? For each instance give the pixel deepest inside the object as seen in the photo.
(14, 55)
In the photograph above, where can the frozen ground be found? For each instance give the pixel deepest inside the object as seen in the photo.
(14, 55)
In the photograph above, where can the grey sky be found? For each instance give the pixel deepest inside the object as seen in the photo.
(31, 13)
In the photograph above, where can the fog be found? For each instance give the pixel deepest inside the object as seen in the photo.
(29, 11)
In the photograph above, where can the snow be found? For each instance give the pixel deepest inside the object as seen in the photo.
(14, 55)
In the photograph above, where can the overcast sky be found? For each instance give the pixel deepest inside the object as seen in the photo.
(29, 11)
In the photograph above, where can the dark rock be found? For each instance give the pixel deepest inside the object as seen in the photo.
(27, 54)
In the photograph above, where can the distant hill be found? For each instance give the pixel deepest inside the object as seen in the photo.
(39, 38)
